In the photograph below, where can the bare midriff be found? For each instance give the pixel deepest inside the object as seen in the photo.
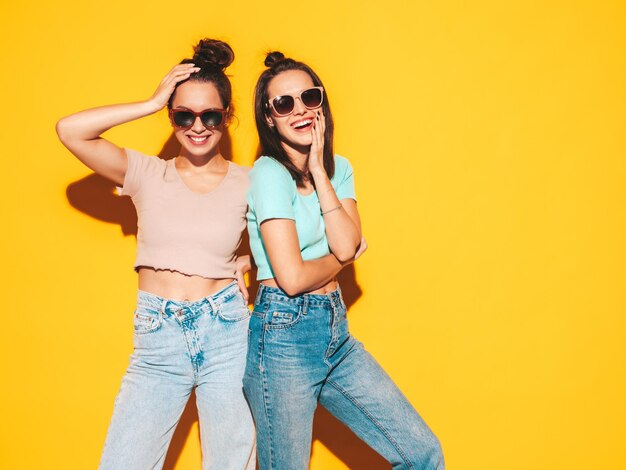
(174, 285)
(331, 286)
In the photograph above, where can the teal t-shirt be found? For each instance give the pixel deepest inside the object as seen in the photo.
(273, 195)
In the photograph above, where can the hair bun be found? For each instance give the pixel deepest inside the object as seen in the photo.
(273, 57)
(213, 53)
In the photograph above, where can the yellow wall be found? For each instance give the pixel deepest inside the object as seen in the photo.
(489, 145)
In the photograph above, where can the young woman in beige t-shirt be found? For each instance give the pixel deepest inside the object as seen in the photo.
(190, 325)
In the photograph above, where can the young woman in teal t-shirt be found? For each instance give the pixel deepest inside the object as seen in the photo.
(304, 227)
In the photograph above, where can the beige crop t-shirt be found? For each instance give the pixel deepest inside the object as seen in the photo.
(178, 229)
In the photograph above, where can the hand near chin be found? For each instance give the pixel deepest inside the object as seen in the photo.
(316, 154)
(167, 86)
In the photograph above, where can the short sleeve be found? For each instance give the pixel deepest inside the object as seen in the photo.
(343, 179)
(272, 191)
(139, 166)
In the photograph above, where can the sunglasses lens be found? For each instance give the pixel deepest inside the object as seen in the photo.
(312, 97)
(183, 118)
(212, 118)
(283, 104)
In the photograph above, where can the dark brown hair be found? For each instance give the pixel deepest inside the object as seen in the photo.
(212, 56)
(269, 138)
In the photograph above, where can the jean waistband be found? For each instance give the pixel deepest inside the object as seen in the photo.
(267, 293)
(155, 302)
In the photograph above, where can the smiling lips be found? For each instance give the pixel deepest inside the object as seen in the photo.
(302, 124)
(198, 139)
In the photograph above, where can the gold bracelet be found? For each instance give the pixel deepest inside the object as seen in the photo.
(333, 209)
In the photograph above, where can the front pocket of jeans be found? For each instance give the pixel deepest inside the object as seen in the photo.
(146, 323)
(278, 319)
(234, 309)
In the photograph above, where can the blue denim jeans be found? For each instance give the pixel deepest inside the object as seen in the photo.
(180, 346)
(300, 352)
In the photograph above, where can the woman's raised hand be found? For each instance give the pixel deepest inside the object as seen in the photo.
(316, 154)
(81, 132)
(165, 89)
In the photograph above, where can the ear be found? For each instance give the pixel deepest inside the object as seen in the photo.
(228, 118)
(270, 121)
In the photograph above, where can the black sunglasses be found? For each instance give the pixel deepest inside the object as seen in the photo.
(311, 98)
(185, 118)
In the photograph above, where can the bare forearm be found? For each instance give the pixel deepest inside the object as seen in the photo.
(91, 123)
(309, 275)
(342, 232)
(81, 132)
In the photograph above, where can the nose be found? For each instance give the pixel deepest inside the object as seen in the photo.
(197, 127)
(298, 107)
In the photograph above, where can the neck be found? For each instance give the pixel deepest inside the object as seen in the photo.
(213, 159)
(299, 156)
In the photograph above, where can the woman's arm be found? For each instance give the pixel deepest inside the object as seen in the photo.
(270, 197)
(292, 274)
(242, 266)
(341, 218)
(80, 132)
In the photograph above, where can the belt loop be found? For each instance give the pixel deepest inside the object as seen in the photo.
(163, 304)
(305, 304)
(259, 293)
(212, 304)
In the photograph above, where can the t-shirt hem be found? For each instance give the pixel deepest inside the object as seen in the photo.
(186, 272)
(276, 216)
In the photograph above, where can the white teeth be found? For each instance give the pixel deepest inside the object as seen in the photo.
(199, 139)
(300, 124)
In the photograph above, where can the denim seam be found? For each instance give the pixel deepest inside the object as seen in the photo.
(373, 420)
(331, 327)
(266, 406)
(217, 309)
(330, 342)
(183, 330)
(232, 320)
(257, 314)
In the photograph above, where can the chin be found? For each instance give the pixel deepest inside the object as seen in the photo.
(301, 141)
(199, 151)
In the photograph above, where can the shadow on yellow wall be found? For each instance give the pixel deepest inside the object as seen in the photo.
(336, 437)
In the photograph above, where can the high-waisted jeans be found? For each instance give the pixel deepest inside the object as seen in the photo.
(180, 346)
(300, 352)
